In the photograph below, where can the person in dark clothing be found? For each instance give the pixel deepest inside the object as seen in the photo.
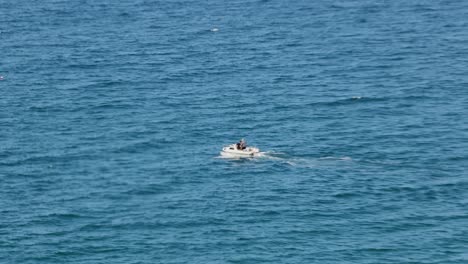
(242, 144)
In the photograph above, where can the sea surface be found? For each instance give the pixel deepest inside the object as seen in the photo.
(113, 113)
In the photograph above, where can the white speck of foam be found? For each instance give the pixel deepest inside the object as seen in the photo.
(214, 30)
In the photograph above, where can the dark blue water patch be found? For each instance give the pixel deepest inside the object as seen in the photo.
(112, 117)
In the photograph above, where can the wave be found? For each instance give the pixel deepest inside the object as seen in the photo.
(353, 100)
(366, 99)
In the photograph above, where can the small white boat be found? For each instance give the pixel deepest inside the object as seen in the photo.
(233, 151)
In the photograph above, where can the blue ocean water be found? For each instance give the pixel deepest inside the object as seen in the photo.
(113, 113)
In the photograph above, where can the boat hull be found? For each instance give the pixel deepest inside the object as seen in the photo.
(231, 151)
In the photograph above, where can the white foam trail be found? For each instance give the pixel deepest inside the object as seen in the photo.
(291, 161)
(335, 158)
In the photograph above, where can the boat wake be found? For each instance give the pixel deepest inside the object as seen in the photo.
(280, 157)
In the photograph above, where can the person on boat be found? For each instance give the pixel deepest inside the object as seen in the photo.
(242, 144)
